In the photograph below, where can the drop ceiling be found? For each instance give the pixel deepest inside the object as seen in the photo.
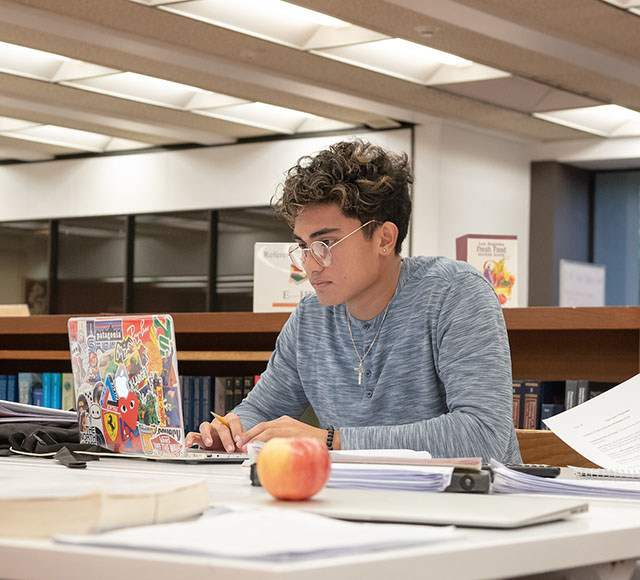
(513, 65)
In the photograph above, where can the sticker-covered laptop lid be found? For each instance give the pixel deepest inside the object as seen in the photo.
(127, 388)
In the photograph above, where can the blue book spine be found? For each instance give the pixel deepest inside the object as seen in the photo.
(56, 390)
(26, 383)
(198, 394)
(207, 400)
(549, 410)
(47, 399)
(36, 396)
(189, 419)
(4, 385)
(12, 388)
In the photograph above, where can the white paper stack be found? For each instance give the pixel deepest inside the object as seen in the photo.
(389, 477)
(507, 480)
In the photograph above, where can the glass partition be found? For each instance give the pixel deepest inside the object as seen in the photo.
(171, 262)
(91, 265)
(24, 264)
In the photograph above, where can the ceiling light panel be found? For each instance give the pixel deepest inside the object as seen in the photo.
(410, 61)
(623, 3)
(273, 20)
(65, 136)
(272, 118)
(154, 91)
(603, 120)
(46, 66)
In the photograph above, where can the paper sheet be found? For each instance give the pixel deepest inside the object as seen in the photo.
(605, 429)
(268, 534)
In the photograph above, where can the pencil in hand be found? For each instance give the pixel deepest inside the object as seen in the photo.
(221, 419)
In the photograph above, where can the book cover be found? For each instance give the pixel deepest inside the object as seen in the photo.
(188, 400)
(530, 406)
(278, 285)
(219, 394)
(198, 394)
(237, 390)
(12, 388)
(56, 390)
(37, 396)
(517, 398)
(26, 383)
(4, 387)
(549, 410)
(207, 398)
(47, 399)
(228, 395)
(247, 385)
(496, 257)
(60, 505)
(68, 392)
(570, 394)
(582, 391)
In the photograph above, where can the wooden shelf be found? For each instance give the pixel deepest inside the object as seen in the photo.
(600, 344)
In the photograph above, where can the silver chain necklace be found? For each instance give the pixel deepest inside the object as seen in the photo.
(360, 369)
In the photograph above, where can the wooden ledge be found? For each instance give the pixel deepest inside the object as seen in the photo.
(541, 446)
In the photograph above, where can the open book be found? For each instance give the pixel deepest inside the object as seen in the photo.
(44, 508)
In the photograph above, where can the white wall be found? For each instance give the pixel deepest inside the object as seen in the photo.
(466, 181)
(219, 177)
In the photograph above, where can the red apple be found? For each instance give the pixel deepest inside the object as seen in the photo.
(294, 468)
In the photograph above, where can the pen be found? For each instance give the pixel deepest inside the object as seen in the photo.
(222, 420)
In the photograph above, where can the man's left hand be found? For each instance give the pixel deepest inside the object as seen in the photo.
(285, 427)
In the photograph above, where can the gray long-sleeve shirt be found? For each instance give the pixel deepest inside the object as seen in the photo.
(438, 377)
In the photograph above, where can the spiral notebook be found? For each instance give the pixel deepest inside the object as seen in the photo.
(598, 473)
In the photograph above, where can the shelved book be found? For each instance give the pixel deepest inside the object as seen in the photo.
(203, 394)
(47, 389)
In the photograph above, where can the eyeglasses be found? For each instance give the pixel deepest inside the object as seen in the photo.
(320, 251)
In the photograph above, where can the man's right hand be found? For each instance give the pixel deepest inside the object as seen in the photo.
(216, 435)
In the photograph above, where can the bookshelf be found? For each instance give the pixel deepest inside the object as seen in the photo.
(547, 343)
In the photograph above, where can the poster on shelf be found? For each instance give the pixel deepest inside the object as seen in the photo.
(278, 285)
(581, 283)
(496, 257)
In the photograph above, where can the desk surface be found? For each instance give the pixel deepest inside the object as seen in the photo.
(609, 532)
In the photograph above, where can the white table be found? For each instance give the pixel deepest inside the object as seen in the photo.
(602, 543)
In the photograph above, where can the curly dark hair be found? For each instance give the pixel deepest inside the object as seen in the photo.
(364, 180)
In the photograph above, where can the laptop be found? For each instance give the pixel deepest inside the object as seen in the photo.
(500, 511)
(128, 397)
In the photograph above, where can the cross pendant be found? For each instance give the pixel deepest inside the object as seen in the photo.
(359, 370)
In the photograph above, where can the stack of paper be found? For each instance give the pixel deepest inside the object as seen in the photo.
(389, 477)
(267, 534)
(12, 412)
(507, 480)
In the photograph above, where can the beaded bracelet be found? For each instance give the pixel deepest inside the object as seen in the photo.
(330, 430)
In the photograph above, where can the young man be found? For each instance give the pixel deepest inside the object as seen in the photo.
(390, 352)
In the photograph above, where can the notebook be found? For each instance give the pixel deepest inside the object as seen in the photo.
(128, 398)
(460, 509)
